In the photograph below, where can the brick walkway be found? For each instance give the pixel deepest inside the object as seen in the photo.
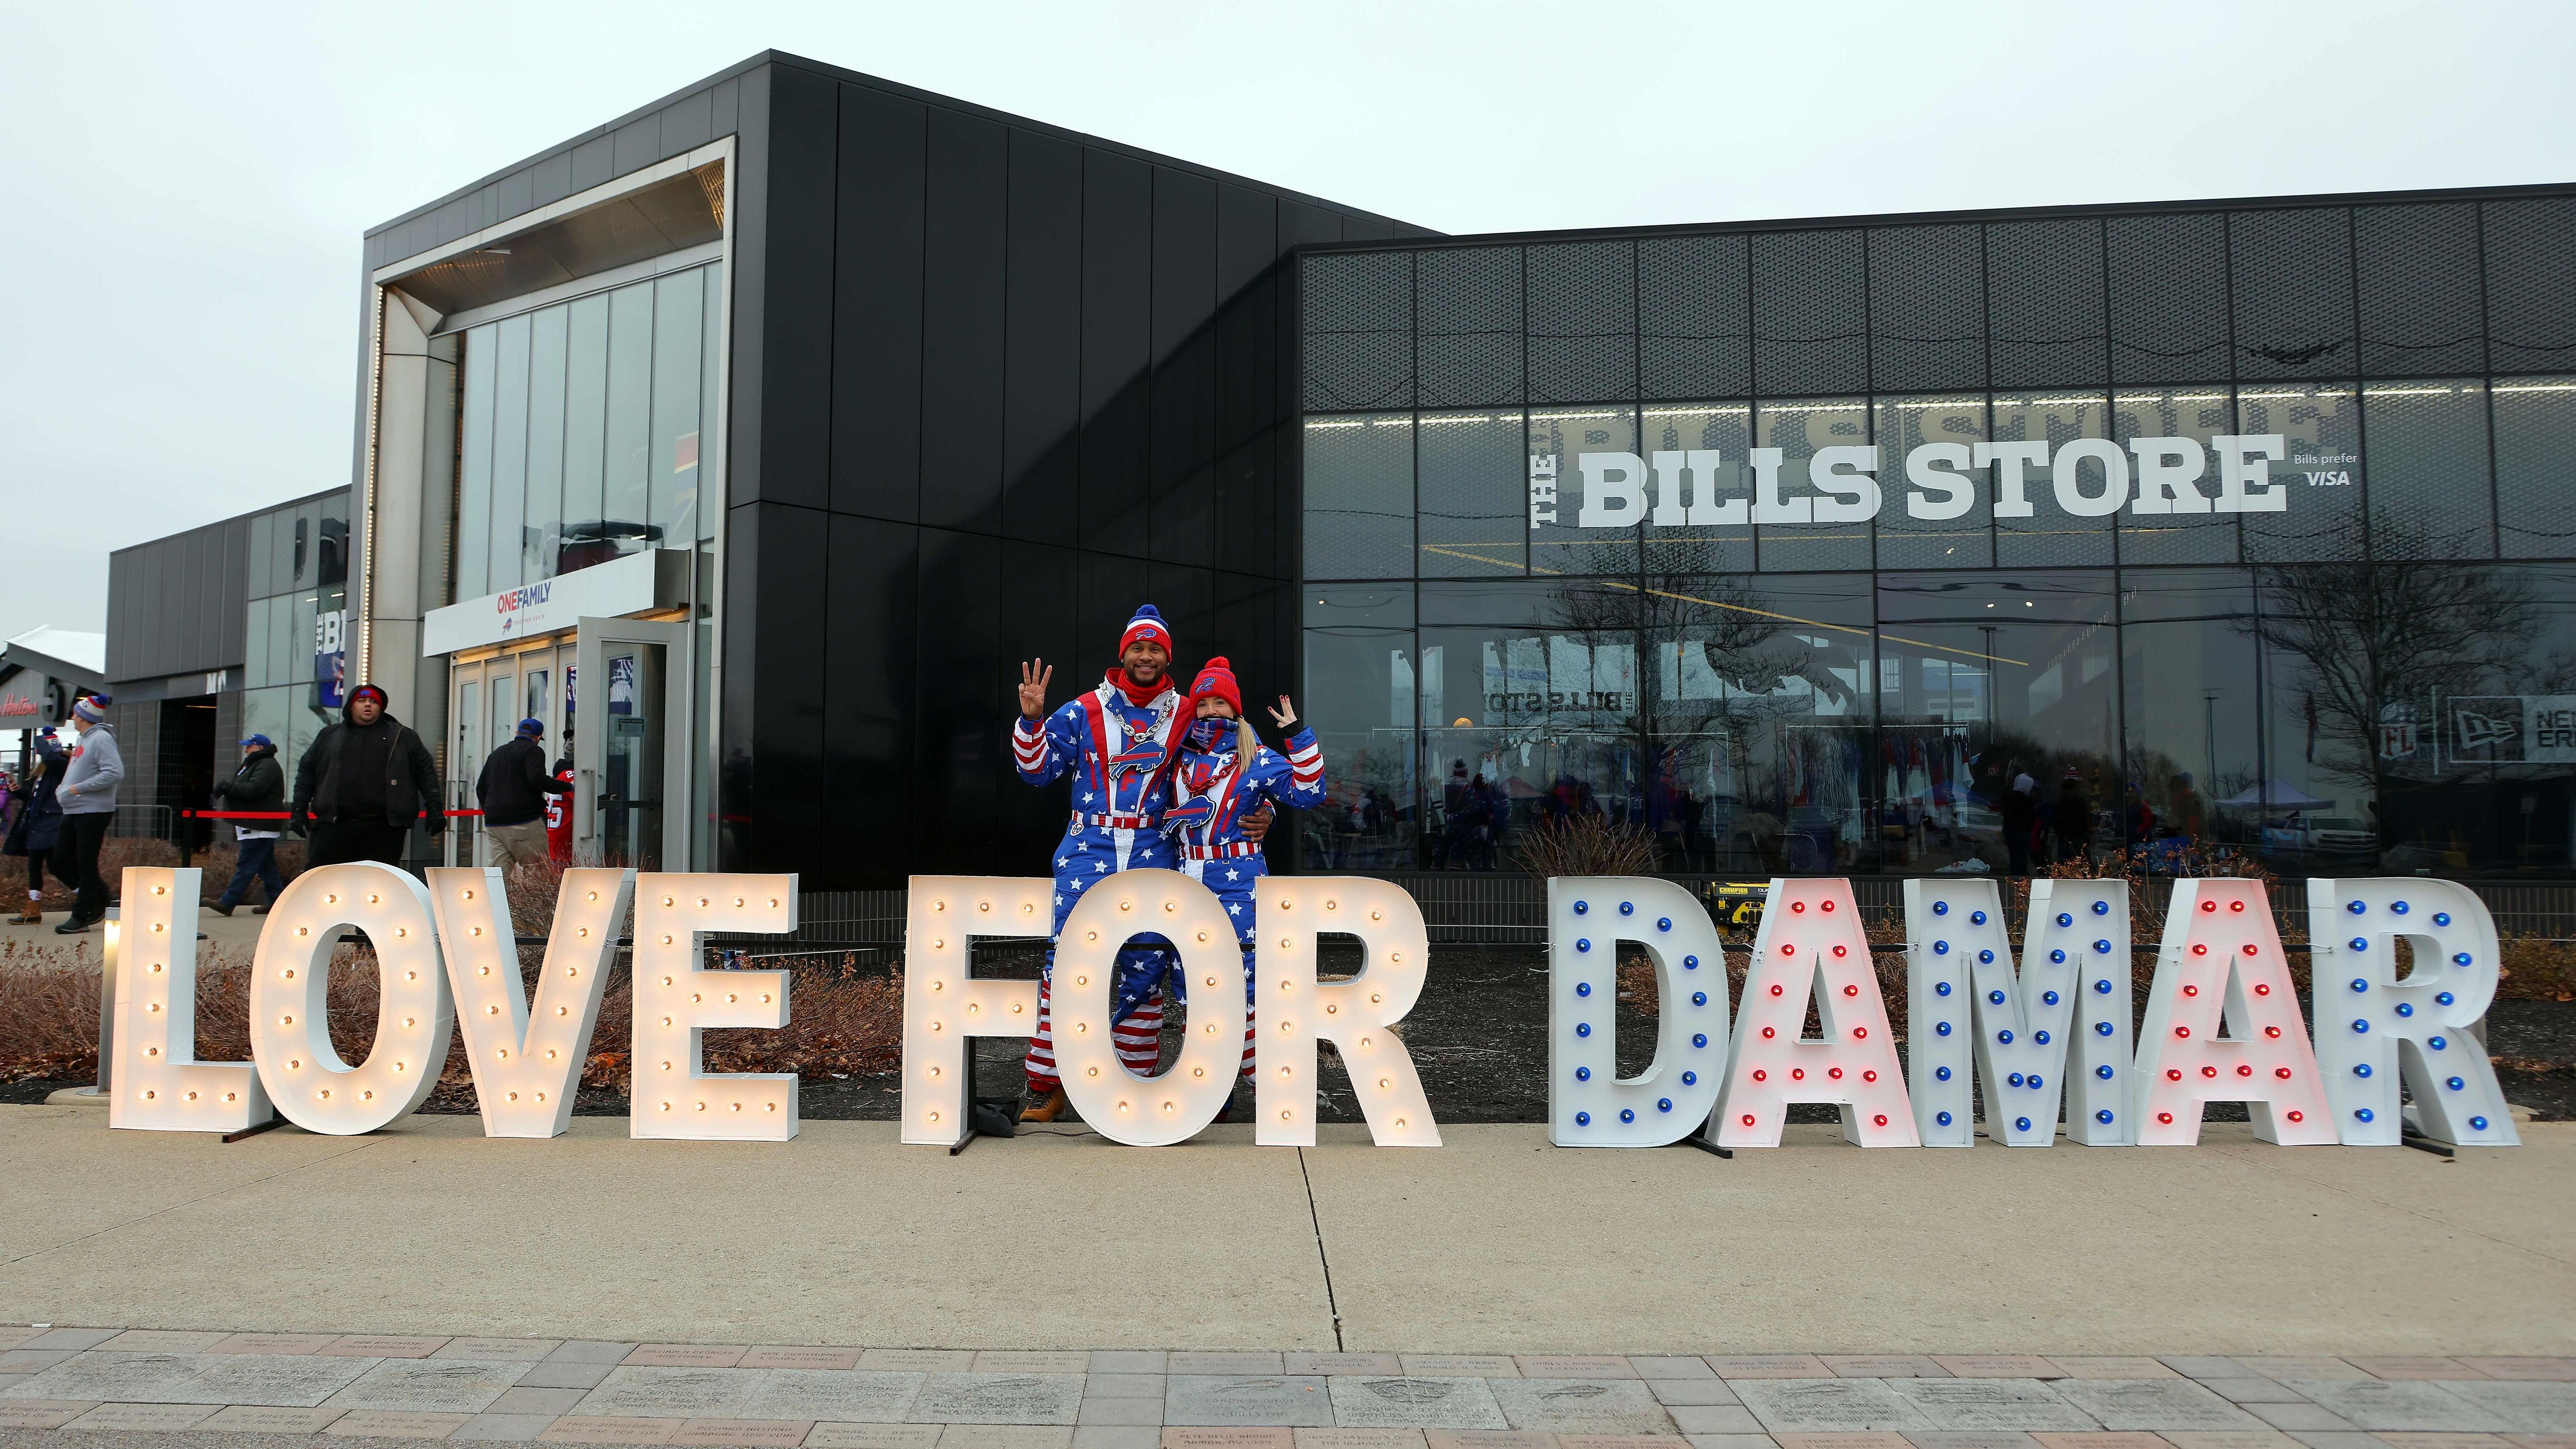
(212, 1386)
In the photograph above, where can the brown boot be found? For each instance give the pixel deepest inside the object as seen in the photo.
(1046, 1108)
(29, 914)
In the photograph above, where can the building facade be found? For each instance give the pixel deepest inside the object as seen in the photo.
(1794, 545)
(747, 442)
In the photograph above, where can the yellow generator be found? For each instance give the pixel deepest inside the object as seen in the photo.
(1737, 905)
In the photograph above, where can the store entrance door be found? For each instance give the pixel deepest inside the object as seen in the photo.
(631, 757)
(486, 700)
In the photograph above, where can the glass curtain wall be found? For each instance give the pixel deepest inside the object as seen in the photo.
(295, 628)
(1788, 585)
(581, 432)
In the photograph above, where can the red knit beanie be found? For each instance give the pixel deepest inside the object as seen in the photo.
(1216, 679)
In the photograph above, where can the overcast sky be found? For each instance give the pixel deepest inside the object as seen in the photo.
(190, 181)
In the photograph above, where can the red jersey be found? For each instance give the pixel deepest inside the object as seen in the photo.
(559, 821)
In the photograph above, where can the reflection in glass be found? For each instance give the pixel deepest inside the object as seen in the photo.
(1809, 527)
(710, 428)
(1359, 497)
(2319, 478)
(1360, 700)
(625, 501)
(2535, 459)
(1474, 505)
(1559, 439)
(2428, 470)
(509, 454)
(1984, 680)
(677, 307)
(474, 469)
(2189, 534)
(585, 434)
(2076, 497)
(546, 365)
(1715, 532)
(1961, 537)
(2189, 703)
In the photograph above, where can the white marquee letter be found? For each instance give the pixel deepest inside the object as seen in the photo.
(2369, 1023)
(1292, 1009)
(1587, 1104)
(157, 1081)
(2244, 482)
(675, 1002)
(2222, 949)
(2167, 470)
(1707, 509)
(2012, 499)
(2115, 478)
(942, 1007)
(1942, 468)
(2066, 1011)
(1614, 490)
(1119, 1104)
(1844, 472)
(1768, 506)
(1811, 941)
(527, 1068)
(290, 989)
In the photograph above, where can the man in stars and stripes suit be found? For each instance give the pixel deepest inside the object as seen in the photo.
(1223, 775)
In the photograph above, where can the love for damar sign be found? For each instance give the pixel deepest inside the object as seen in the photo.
(2041, 1031)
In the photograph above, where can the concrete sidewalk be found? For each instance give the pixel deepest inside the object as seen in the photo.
(1495, 1243)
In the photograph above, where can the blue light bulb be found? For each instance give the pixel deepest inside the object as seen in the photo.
(2356, 908)
(1996, 997)
(2102, 948)
(2443, 997)
(2363, 1113)
(2103, 1116)
(1941, 1072)
(2461, 959)
(2102, 987)
(2101, 908)
(2040, 1037)
(2361, 943)
(1944, 1029)
(2064, 919)
(1940, 908)
(2399, 908)
(1583, 1074)
(1690, 963)
(1583, 988)
(2435, 1042)
(2005, 1037)
(2441, 918)
(1690, 1079)
(1583, 943)
(2104, 1072)
(2015, 1079)
(1582, 1119)
(1627, 1114)
(1699, 998)
(2361, 1070)
(2058, 955)
(1940, 948)
(1627, 908)
(1663, 923)
(1699, 1039)
(2405, 1008)
(2478, 1123)
(2358, 1024)
(2455, 1084)
(2359, 984)
(1943, 1119)
(1663, 1104)
(2021, 1124)
(1941, 988)
(2035, 1082)
(1986, 957)
(2048, 998)
(1582, 907)
(1583, 1028)
(1976, 918)
(2101, 1028)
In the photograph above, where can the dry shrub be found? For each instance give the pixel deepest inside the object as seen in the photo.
(48, 1011)
(1584, 845)
(2536, 968)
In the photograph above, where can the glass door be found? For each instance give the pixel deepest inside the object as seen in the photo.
(630, 759)
(464, 756)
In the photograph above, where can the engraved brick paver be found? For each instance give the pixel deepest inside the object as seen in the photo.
(42, 1413)
(1234, 1437)
(1280, 1401)
(1732, 1441)
(823, 1395)
(800, 1358)
(156, 1340)
(396, 1424)
(1006, 1436)
(1581, 1406)
(2293, 1366)
(2231, 1439)
(436, 1386)
(686, 1355)
(674, 1392)
(1971, 1439)
(1671, 1367)
(1383, 1401)
(2112, 1366)
(74, 1339)
(1020, 1361)
(288, 1343)
(252, 1419)
(1858, 1439)
(1359, 1438)
(13, 1337)
(157, 1417)
(2399, 1440)
(1713, 1419)
(1488, 1439)
(1998, 1366)
(1710, 1390)
(1573, 1366)
(1343, 1363)
(2391, 1404)
(2253, 1391)
(1768, 1366)
(750, 1433)
(2110, 1440)
(919, 1360)
(590, 1350)
(873, 1436)
(1460, 1365)
(1884, 1366)
(609, 1429)
(2151, 1405)
(1828, 1406)
(528, 1350)
(376, 1345)
(1990, 1404)
(558, 1374)
(2545, 1370)
(511, 1428)
(1227, 1363)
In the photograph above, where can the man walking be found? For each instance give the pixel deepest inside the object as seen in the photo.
(513, 792)
(258, 787)
(362, 783)
(1119, 740)
(88, 797)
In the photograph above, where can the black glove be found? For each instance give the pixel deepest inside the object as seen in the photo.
(434, 821)
(295, 823)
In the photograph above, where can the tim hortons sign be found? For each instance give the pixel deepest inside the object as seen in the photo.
(2046, 1038)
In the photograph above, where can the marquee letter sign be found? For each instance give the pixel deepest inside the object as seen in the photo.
(2028, 1039)
(2066, 1011)
(290, 986)
(2370, 1025)
(528, 1067)
(676, 1001)
(1293, 1010)
(1811, 944)
(1588, 1105)
(2221, 949)
(158, 1083)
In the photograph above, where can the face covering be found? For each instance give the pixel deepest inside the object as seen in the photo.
(1206, 734)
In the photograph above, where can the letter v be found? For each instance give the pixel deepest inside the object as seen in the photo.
(526, 1070)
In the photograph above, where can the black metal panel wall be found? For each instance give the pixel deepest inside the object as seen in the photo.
(994, 385)
(174, 605)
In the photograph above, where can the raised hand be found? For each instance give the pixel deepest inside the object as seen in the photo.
(1285, 714)
(1034, 675)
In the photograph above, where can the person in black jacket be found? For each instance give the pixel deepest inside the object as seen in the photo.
(512, 792)
(257, 788)
(363, 783)
(40, 822)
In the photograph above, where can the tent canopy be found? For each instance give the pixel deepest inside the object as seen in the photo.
(2277, 794)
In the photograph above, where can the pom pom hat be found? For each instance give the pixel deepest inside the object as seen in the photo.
(1148, 624)
(91, 708)
(1216, 680)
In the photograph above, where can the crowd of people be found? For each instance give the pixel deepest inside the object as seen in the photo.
(360, 789)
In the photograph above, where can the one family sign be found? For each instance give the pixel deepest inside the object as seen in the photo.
(2046, 1037)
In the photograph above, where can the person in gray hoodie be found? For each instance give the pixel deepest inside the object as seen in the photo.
(88, 797)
